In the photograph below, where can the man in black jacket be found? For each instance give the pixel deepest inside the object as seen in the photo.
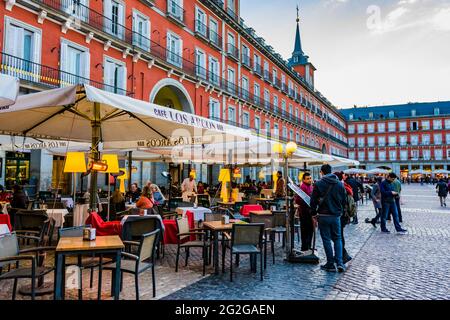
(328, 201)
(356, 187)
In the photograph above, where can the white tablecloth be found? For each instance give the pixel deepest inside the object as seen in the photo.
(199, 212)
(4, 229)
(80, 214)
(58, 215)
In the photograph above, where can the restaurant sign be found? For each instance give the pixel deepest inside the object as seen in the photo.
(45, 145)
(188, 119)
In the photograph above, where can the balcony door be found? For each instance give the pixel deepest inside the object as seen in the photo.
(141, 31)
(114, 18)
(79, 9)
(174, 46)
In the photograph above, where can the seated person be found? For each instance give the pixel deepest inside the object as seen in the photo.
(134, 193)
(200, 188)
(146, 200)
(19, 199)
(157, 195)
(118, 201)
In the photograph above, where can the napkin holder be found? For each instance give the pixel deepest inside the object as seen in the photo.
(89, 234)
(225, 219)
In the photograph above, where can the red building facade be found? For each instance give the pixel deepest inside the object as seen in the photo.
(193, 55)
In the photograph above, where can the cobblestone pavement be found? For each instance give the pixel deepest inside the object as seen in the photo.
(393, 266)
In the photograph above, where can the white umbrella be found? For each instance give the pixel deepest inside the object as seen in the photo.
(355, 171)
(9, 89)
(84, 113)
(441, 172)
(378, 171)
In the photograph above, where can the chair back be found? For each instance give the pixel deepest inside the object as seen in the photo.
(55, 205)
(46, 236)
(9, 246)
(31, 220)
(73, 232)
(148, 245)
(203, 200)
(213, 216)
(184, 204)
(183, 227)
(252, 200)
(279, 218)
(174, 203)
(136, 226)
(247, 234)
(268, 220)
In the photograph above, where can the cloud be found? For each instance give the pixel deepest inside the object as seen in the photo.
(441, 20)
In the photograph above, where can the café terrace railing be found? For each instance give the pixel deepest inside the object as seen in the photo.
(114, 29)
(48, 77)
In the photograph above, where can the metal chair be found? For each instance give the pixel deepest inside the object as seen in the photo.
(30, 222)
(247, 239)
(136, 264)
(280, 221)
(269, 236)
(203, 200)
(184, 233)
(10, 253)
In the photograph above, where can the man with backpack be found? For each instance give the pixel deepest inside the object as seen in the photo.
(328, 201)
(349, 212)
(357, 187)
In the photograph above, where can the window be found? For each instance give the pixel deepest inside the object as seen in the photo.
(361, 155)
(414, 154)
(381, 141)
(231, 45)
(402, 126)
(403, 155)
(413, 113)
(231, 81)
(437, 124)
(382, 155)
(447, 138)
(381, 127)
(403, 140)
(141, 28)
(214, 31)
(448, 153)
(174, 49)
(257, 123)
(393, 155)
(23, 43)
(267, 98)
(175, 8)
(275, 103)
(276, 131)
(438, 154)
(214, 70)
(200, 22)
(350, 117)
(426, 154)
(214, 109)
(115, 76)
(267, 126)
(447, 123)
(414, 126)
(361, 142)
(371, 155)
(425, 125)
(361, 128)
(231, 114)
(296, 113)
(351, 155)
(257, 63)
(245, 87)
(392, 127)
(245, 55)
(391, 114)
(414, 140)
(371, 128)
(351, 129)
(392, 140)
(246, 120)
(114, 18)
(75, 60)
(371, 142)
(297, 137)
(77, 9)
(436, 111)
(425, 139)
(274, 75)
(438, 139)
(200, 63)
(285, 132)
(256, 93)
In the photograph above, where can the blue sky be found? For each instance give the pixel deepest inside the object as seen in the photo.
(366, 52)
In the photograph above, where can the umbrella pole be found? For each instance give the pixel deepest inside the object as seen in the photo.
(95, 155)
(109, 194)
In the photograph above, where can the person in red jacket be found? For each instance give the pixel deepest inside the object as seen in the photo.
(344, 219)
(306, 221)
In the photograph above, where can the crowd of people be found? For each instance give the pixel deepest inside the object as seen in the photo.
(333, 205)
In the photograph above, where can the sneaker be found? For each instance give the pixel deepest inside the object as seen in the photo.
(374, 223)
(385, 231)
(346, 259)
(341, 268)
(402, 231)
(328, 267)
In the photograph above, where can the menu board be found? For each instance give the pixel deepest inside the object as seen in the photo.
(299, 192)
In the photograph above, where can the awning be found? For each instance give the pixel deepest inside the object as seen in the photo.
(9, 89)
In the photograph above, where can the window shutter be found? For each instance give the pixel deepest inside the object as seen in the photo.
(64, 63)
(121, 21)
(108, 74)
(123, 80)
(86, 66)
(37, 44)
(108, 15)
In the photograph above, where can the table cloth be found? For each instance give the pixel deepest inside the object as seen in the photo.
(199, 212)
(245, 210)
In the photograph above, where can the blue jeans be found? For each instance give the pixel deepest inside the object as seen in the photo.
(390, 207)
(330, 230)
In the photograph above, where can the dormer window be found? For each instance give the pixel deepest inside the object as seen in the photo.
(370, 115)
(391, 114)
(413, 112)
(436, 111)
(351, 116)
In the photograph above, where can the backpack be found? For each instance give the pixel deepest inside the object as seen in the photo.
(350, 208)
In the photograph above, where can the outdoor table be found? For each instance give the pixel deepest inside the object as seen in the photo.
(199, 212)
(261, 212)
(216, 227)
(78, 246)
(226, 204)
(58, 215)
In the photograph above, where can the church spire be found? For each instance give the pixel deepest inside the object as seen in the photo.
(298, 56)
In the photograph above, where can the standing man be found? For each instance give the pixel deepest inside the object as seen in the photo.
(376, 199)
(356, 187)
(388, 203)
(442, 190)
(397, 185)
(306, 219)
(188, 187)
(328, 201)
(280, 190)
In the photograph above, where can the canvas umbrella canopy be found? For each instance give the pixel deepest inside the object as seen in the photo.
(378, 171)
(84, 113)
(9, 90)
(441, 172)
(355, 171)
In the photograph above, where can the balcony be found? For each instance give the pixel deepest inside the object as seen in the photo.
(284, 88)
(175, 13)
(233, 52)
(209, 36)
(215, 39)
(150, 3)
(232, 14)
(45, 77)
(246, 62)
(277, 83)
(257, 69)
(201, 30)
(267, 76)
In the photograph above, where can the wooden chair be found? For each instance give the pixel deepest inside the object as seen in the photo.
(137, 263)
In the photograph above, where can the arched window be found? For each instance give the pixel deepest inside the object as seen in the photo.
(391, 114)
